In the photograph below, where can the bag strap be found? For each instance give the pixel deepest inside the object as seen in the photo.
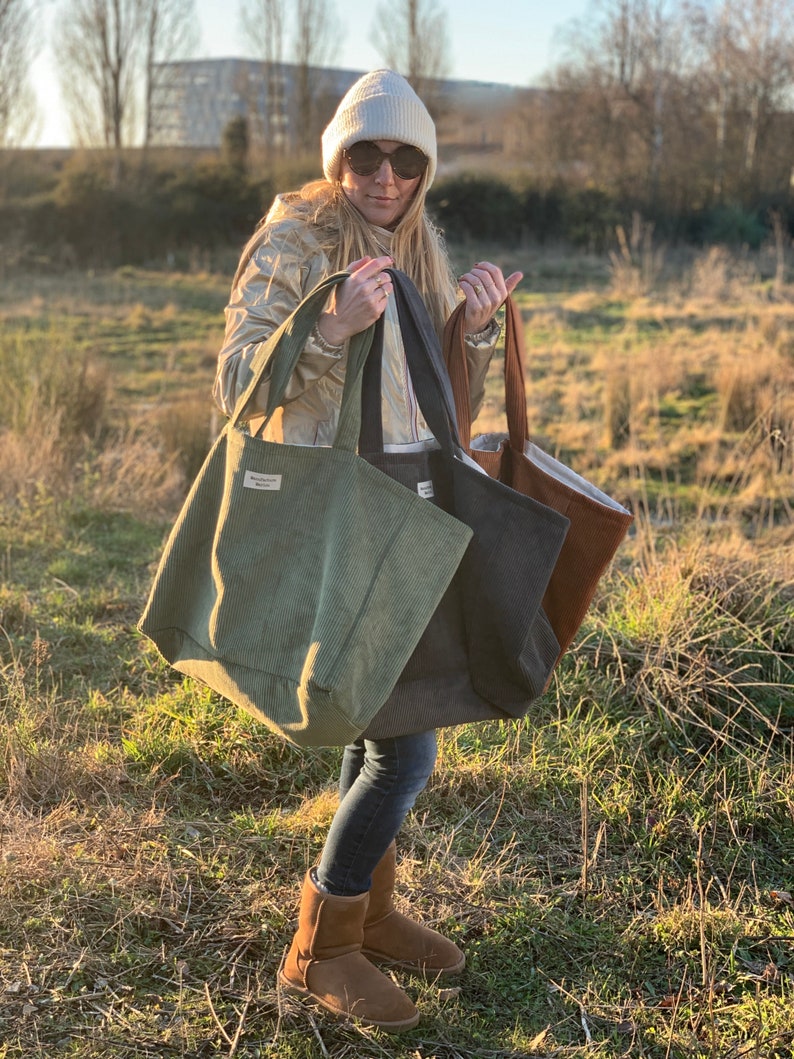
(457, 366)
(371, 436)
(282, 351)
(426, 363)
(515, 377)
(515, 385)
(348, 426)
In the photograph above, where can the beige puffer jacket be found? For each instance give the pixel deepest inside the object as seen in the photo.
(287, 265)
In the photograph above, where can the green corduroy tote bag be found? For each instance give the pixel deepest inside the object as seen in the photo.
(297, 581)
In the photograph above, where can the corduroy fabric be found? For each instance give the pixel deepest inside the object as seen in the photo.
(381, 105)
(489, 649)
(598, 523)
(297, 581)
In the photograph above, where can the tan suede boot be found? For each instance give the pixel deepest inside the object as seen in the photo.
(325, 963)
(394, 939)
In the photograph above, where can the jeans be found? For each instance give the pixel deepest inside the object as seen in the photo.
(378, 785)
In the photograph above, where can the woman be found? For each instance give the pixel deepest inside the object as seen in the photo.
(379, 159)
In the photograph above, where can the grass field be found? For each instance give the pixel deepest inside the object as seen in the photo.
(619, 867)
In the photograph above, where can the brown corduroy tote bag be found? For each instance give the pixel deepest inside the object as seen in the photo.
(598, 523)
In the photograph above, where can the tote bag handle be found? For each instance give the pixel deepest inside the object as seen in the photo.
(283, 349)
(425, 362)
(515, 385)
(426, 365)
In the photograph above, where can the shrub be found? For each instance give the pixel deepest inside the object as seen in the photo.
(589, 217)
(542, 213)
(473, 207)
(209, 206)
(186, 429)
(60, 386)
(98, 216)
(733, 225)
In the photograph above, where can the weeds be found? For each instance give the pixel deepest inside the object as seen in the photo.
(637, 265)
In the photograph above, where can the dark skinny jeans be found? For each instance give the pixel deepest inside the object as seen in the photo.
(378, 785)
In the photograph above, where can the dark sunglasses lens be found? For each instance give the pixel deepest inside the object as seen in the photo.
(364, 158)
(408, 162)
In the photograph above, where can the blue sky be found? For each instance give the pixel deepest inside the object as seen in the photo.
(511, 41)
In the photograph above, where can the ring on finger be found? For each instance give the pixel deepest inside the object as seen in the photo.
(477, 288)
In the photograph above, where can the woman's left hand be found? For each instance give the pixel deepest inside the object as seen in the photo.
(486, 290)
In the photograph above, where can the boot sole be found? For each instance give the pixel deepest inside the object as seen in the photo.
(302, 991)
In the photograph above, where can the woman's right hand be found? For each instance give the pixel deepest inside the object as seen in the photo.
(358, 302)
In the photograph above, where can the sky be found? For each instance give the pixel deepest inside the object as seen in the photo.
(510, 41)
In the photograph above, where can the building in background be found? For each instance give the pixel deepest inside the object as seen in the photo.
(286, 107)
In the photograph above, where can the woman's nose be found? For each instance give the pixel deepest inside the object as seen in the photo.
(385, 174)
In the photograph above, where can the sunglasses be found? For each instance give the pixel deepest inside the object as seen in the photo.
(366, 158)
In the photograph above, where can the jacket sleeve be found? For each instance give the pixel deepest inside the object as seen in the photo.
(283, 269)
(479, 351)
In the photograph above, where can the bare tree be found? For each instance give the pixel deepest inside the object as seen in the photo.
(765, 38)
(264, 22)
(619, 88)
(666, 54)
(99, 56)
(109, 57)
(17, 105)
(713, 33)
(748, 72)
(411, 36)
(316, 35)
(170, 32)
(676, 104)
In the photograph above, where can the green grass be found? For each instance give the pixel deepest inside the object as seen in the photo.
(618, 867)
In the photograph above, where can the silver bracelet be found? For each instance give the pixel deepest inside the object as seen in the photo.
(325, 346)
(490, 330)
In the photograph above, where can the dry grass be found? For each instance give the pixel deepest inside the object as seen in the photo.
(718, 276)
(682, 404)
(32, 464)
(617, 866)
(637, 265)
(137, 475)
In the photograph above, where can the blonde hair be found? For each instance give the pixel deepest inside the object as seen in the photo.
(343, 234)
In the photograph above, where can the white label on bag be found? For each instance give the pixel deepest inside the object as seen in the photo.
(425, 489)
(254, 480)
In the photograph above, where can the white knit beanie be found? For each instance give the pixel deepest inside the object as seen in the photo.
(381, 105)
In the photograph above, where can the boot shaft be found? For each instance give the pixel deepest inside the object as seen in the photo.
(325, 963)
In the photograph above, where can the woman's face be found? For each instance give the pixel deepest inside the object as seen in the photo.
(383, 197)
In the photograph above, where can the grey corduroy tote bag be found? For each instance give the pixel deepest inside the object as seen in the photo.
(489, 649)
(297, 581)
